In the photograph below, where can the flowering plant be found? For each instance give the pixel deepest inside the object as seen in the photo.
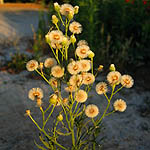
(76, 120)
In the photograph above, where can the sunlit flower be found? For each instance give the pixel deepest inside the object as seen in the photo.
(120, 105)
(114, 77)
(32, 65)
(101, 88)
(85, 65)
(50, 62)
(57, 71)
(53, 99)
(82, 51)
(91, 111)
(88, 78)
(75, 27)
(82, 42)
(127, 81)
(74, 67)
(91, 54)
(76, 80)
(55, 36)
(70, 88)
(65, 9)
(35, 93)
(53, 82)
(81, 96)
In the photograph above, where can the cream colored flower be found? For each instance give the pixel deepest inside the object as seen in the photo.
(32, 65)
(76, 80)
(35, 93)
(82, 51)
(88, 78)
(70, 88)
(82, 42)
(120, 105)
(65, 9)
(74, 67)
(127, 81)
(53, 82)
(75, 27)
(85, 65)
(56, 45)
(114, 77)
(39, 102)
(91, 111)
(55, 36)
(50, 62)
(101, 88)
(57, 71)
(81, 96)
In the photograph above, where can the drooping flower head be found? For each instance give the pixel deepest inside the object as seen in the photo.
(65, 9)
(101, 88)
(127, 81)
(75, 27)
(57, 71)
(35, 93)
(91, 111)
(32, 65)
(114, 77)
(82, 51)
(50, 62)
(74, 67)
(120, 105)
(81, 96)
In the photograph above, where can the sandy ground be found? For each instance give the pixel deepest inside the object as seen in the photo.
(124, 131)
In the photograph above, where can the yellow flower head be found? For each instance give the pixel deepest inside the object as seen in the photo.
(70, 88)
(114, 77)
(91, 111)
(85, 65)
(50, 62)
(74, 67)
(101, 88)
(32, 65)
(127, 81)
(88, 78)
(75, 27)
(82, 51)
(81, 96)
(76, 80)
(120, 105)
(35, 93)
(65, 9)
(57, 71)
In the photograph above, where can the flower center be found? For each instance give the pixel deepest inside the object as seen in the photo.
(67, 9)
(36, 94)
(56, 37)
(32, 65)
(91, 110)
(75, 28)
(83, 51)
(75, 67)
(88, 79)
(115, 77)
(127, 81)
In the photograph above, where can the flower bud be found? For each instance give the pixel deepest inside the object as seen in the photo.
(64, 41)
(100, 67)
(53, 99)
(57, 7)
(91, 54)
(41, 65)
(60, 117)
(73, 39)
(112, 67)
(70, 15)
(76, 9)
(28, 112)
(54, 19)
(47, 39)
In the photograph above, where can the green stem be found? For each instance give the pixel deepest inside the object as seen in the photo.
(61, 19)
(118, 90)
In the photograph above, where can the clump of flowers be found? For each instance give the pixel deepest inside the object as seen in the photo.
(76, 119)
